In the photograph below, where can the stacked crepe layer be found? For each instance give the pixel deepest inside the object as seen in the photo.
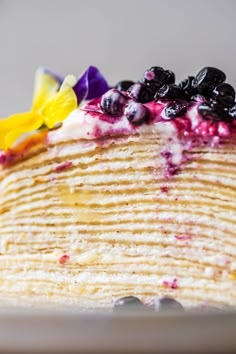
(126, 228)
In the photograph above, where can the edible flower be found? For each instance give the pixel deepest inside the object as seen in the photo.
(54, 99)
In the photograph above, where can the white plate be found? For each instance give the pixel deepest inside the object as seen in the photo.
(68, 330)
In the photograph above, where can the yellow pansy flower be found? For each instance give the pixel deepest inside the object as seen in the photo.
(52, 104)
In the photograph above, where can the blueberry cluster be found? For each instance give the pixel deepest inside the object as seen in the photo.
(220, 105)
(128, 98)
(132, 303)
(219, 97)
(115, 103)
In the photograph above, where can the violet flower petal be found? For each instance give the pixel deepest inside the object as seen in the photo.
(55, 76)
(92, 84)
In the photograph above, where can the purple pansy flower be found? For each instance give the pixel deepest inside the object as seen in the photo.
(90, 85)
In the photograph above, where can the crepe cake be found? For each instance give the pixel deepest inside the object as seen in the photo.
(120, 193)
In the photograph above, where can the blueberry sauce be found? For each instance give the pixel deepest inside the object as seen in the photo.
(191, 123)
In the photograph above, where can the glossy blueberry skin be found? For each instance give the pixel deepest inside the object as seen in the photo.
(176, 108)
(136, 113)
(124, 85)
(169, 92)
(135, 90)
(214, 111)
(113, 102)
(207, 79)
(187, 86)
(170, 77)
(224, 94)
(167, 304)
(158, 75)
(141, 92)
(128, 303)
(198, 98)
(232, 111)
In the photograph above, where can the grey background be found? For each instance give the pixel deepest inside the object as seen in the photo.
(121, 37)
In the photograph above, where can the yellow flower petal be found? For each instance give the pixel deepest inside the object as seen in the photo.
(50, 107)
(14, 126)
(45, 86)
(60, 105)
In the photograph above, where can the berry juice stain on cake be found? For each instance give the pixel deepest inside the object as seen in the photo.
(173, 284)
(182, 237)
(164, 189)
(64, 259)
(63, 166)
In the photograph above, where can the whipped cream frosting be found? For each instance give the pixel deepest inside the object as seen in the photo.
(180, 134)
(89, 122)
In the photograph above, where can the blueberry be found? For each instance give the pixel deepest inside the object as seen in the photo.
(170, 77)
(232, 111)
(224, 94)
(113, 102)
(170, 92)
(158, 75)
(214, 111)
(198, 98)
(128, 303)
(147, 94)
(141, 92)
(187, 86)
(134, 91)
(207, 79)
(136, 113)
(124, 85)
(166, 304)
(176, 108)
(155, 73)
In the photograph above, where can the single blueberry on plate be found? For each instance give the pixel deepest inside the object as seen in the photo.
(136, 113)
(176, 108)
(124, 85)
(128, 303)
(113, 102)
(207, 79)
(166, 304)
(224, 94)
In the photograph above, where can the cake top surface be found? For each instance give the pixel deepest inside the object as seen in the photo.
(200, 108)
